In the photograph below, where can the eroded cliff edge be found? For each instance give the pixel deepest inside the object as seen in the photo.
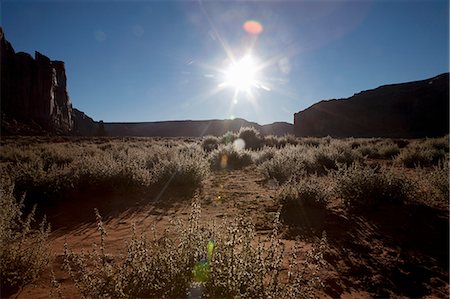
(411, 110)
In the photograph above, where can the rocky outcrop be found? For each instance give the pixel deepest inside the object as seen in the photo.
(83, 125)
(34, 91)
(411, 110)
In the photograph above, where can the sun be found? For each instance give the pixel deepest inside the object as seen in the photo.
(242, 74)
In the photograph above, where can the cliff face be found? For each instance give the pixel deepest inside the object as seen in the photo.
(411, 110)
(34, 91)
(83, 125)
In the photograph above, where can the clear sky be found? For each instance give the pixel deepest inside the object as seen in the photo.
(170, 60)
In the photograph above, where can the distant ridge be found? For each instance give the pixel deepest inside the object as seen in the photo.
(192, 128)
(410, 110)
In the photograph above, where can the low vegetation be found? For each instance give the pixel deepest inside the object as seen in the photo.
(424, 153)
(24, 251)
(307, 192)
(221, 261)
(228, 157)
(312, 179)
(364, 187)
(51, 172)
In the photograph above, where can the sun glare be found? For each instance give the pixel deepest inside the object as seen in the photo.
(242, 74)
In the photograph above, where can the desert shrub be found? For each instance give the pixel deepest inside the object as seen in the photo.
(24, 251)
(420, 156)
(150, 269)
(228, 138)
(243, 268)
(288, 139)
(263, 155)
(16, 153)
(388, 150)
(297, 160)
(326, 158)
(119, 167)
(441, 143)
(368, 151)
(272, 141)
(226, 157)
(354, 144)
(55, 154)
(311, 141)
(286, 163)
(224, 261)
(308, 192)
(186, 168)
(210, 143)
(363, 187)
(439, 180)
(251, 137)
(401, 143)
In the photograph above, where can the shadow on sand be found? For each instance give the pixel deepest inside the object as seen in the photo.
(389, 251)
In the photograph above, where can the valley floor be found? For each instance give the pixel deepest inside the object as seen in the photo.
(391, 252)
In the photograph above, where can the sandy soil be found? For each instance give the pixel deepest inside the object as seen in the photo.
(391, 252)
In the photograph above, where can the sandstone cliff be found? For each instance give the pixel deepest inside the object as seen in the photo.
(33, 92)
(83, 125)
(414, 109)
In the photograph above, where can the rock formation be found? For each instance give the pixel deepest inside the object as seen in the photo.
(83, 125)
(414, 110)
(33, 91)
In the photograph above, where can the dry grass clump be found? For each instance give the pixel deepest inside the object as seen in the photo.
(388, 150)
(265, 154)
(308, 192)
(241, 268)
(217, 261)
(186, 167)
(313, 141)
(327, 158)
(425, 152)
(421, 155)
(441, 143)
(24, 251)
(280, 142)
(228, 138)
(286, 163)
(252, 138)
(372, 149)
(227, 157)
(273, 141)
(439, 180)
(210, 143)
(295, 160)
(362, 187)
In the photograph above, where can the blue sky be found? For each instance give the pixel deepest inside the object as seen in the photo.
(161, 60)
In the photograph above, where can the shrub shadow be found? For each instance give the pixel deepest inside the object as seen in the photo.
(398, 250)
(77, 209)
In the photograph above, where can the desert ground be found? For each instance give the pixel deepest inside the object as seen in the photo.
(241, 215)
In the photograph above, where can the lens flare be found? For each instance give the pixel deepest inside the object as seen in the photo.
(253, 27)
(239, 144)
(201, 271)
